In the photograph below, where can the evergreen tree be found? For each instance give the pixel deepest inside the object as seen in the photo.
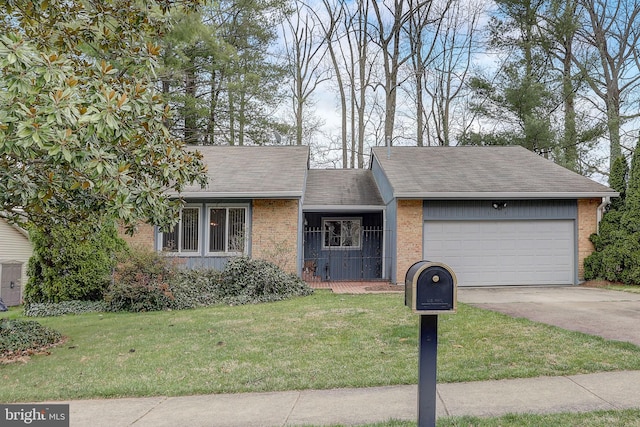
(617, 244)
(71, 262)
(518, 100)
(220, 74)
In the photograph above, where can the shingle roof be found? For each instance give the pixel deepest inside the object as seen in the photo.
(341, 187)
(253, 172)
(480, 172)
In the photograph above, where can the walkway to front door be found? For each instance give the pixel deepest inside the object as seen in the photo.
(374, 287)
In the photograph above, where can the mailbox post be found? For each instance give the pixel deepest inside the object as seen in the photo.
(430, 289)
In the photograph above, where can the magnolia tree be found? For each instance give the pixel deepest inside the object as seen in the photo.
(82, 134)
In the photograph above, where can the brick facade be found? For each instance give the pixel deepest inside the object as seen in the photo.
(410, 239)
(275, 232)
(587, 225)
(144, 237)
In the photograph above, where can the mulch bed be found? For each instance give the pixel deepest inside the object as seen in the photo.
(598, 284)
(23, 356)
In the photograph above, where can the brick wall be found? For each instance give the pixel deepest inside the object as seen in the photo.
(410, 241)
(144, 237)
(587, 225)
(275, 232)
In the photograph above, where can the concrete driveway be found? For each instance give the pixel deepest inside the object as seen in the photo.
(609, 314)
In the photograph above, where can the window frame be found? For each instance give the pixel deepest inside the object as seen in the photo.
(226, 207)
(181, 251)
(358, 220)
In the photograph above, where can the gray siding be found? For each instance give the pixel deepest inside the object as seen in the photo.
(515, 209)
(204, 262)
(391, 214)
(384, 186)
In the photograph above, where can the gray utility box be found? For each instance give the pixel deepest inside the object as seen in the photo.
(430, 288)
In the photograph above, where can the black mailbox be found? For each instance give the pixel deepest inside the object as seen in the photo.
(430, 288)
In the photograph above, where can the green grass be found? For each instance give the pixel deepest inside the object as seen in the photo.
(634, 289)
(623, 418)
(316, 342)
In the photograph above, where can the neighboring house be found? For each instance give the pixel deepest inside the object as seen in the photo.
(495, 215)
(15, 251)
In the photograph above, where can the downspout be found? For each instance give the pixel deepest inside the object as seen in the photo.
(600, 211)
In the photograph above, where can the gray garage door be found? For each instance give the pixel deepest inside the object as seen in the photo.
(489, 253)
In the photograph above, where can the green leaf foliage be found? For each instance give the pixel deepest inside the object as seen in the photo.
(246, 280)
(617, 243)
(17, 336)
(71, 263)
(148, 281)
(46, 309)
(82, 128)
(140, 282)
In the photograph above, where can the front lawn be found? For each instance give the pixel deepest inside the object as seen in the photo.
(622, 418)
(320, 341)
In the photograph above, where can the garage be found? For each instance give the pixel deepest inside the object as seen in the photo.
(504, 252)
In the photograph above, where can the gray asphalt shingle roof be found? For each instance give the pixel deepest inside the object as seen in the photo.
(341, 187)
(253, 172)
(477, 172)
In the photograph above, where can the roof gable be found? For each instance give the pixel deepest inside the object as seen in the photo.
(480, 172)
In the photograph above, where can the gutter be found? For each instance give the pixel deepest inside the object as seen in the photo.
(237, 195)
(482, 195)
(600, 211)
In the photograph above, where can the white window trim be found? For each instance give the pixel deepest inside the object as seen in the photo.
(342, 248)
(180, 252)
(247, 227)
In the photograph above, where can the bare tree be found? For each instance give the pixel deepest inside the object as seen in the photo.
(330, 24)
(305, 50)
(611, 33)
(391, 17)
(442, 39)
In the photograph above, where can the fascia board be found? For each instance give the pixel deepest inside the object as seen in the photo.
(343, 208)
(238, 195)
(503, 195)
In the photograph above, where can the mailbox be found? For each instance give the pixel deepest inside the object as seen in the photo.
(430, 288)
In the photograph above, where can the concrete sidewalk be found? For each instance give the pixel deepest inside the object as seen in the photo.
(578, 393)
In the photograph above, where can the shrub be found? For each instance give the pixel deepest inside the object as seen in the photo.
(196, 288)
(62, 308)
(18, 336)
(148, 281)
(246, 280)
(140, 282)
(71, 263)
(617, 244)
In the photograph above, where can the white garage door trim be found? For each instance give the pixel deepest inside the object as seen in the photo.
(494, 253)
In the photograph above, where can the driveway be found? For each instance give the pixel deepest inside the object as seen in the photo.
(613, 315)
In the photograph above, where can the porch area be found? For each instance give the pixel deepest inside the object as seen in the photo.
(357, 287)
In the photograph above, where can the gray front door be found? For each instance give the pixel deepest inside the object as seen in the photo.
(10, 289)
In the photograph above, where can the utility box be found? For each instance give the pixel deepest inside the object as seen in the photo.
(10, 287)
(430, 288)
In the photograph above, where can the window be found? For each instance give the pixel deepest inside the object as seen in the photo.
(184, 237)
(227, 227)
(341, 233)
(225, 234)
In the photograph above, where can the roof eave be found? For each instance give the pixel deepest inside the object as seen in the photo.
(343, 208)
(465, 195)
(238, 195)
